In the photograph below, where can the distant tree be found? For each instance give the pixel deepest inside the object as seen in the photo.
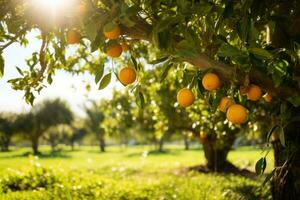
(7, 129)
(55, 134)
(76, 132)
(120, 115)
(93, 123)
(49, 113)
(76, 135)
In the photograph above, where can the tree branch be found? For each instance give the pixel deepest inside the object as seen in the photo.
(143, 31)
(41, 60)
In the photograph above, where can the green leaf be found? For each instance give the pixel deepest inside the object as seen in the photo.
(140, 100)
(166, 69)
(159, 60)
(261, 53)
(294, 100)
(91, 30)
(1, 65)
(126, 21)
(268, 177)
(133, 10)
(134, 63)
(29, 97)
(271, 131)
(20, 71)
(186, 48)
(227, 50)
(99, 73)
(260, 166)
(281, 136)
(243, 27)
(49, 79)
(99, 41)
(126, 13)
(105, 81)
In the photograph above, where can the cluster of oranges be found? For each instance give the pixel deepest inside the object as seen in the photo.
(235, 113)
(127, 74)
(112, 32)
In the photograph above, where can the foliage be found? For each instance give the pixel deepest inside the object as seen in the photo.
(7, 129)
(47, 114)
(94, 120)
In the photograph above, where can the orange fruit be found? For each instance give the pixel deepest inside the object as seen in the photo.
(225, 103)
(211, 81)
(267, 97)
(185, 97)
(127, 75)
(125, 46)
(112, 31)
(114, 50)
(254, 93)
(236, 114)
(73, 37)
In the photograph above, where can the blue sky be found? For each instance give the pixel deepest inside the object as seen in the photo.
(65, 86)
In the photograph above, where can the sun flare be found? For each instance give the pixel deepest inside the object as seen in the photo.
(51, 4)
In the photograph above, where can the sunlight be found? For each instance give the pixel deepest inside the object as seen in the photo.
(52, 11)
(52, 4)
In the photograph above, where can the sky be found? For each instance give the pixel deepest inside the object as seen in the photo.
(65, 86)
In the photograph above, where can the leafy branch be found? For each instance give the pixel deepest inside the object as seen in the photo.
(42, 60)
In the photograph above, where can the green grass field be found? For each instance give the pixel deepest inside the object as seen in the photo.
(125, 173)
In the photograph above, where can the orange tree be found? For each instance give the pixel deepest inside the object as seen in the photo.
(202, 118)
(244, 43)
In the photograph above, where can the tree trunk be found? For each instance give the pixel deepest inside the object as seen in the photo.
(35, 145)
(5, 142)
(286, 179)
(216, 155)
(161, 144)
(53, 145)
(102, 144)
(72, 145)
(186, 142)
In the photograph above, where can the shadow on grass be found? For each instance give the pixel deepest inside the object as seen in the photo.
(155, 153)
(249, 191)
(52, 154)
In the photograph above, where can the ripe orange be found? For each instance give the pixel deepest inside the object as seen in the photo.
(225, 103)
(112, 31)
(236, 114)
(114, 50)
(211, 81)
(125, 46)
(127, 75)
(267, 97)
(185, 97)
(254, 93)
(73, 37)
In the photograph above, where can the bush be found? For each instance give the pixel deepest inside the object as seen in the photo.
(44, 183)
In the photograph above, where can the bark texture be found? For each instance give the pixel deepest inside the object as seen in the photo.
(216, 155)
(102, 144)
(286, 182)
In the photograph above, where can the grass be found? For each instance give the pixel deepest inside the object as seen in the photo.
(124, 173)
